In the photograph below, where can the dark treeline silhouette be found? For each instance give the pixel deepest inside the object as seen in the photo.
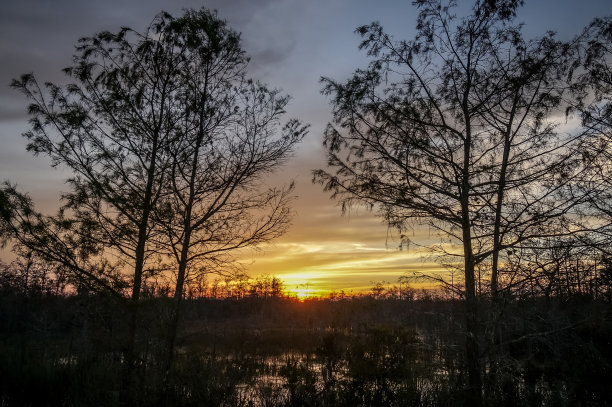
(130, 295)
(390, 347)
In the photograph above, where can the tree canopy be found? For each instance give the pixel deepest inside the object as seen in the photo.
(460, 129)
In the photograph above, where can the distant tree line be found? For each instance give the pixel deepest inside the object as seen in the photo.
(30, 277)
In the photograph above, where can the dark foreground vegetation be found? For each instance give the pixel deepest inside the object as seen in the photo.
(276, 351)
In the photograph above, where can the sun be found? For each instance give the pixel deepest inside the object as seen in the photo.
(302, 294)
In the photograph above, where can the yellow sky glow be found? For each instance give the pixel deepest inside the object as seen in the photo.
(310, 268)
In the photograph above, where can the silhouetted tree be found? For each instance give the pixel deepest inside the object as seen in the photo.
(229, 137)
(111, 128)
(455, 128)
(593, 105)
(160, 126)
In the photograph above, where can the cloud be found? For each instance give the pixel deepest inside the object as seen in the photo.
(333, 261)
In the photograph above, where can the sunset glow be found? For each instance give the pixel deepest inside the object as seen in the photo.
(303, 293)
(336, 263)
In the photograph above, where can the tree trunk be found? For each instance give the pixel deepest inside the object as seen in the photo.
(128, 383)
(174, 319)
(474, 392)
(182, 269)
(472, 329)
(501, 188)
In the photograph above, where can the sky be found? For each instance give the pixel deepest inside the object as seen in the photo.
(292, 44)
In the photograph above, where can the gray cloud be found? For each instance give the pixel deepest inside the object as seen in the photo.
(39, 35)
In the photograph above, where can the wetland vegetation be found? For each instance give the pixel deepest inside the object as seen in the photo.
(271, 350)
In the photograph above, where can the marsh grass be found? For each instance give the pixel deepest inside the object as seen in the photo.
(67, 351)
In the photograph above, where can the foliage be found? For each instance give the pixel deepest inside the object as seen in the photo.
(168, 143)
(456, 129)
